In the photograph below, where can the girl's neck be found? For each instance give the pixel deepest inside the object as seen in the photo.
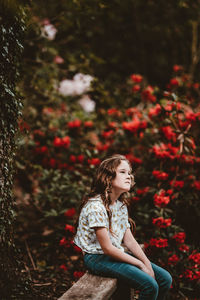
(114, 196)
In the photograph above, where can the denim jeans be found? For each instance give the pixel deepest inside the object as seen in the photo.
(150, 288)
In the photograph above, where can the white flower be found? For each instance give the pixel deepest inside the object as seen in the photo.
(78, 86)
(67, 88)
(49, 31)
(87, 104)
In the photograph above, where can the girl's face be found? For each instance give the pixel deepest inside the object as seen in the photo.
(122, 181)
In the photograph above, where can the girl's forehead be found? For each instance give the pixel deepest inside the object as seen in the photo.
(124, 165)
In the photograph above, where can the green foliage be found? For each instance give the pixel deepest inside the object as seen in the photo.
(61, 144)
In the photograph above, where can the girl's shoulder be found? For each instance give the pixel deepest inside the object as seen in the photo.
(94, 203)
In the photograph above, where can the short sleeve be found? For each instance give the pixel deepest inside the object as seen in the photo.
(97, 217)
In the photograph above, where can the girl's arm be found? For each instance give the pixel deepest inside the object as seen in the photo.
(131, 243)
(114, 252)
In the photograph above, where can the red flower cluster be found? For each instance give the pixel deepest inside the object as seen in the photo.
(177, 184)
(69, 228)
(62, 142)
(74, 124)
(197, 185)
(66, 243)
(63, 267)
(134, 125)
(179, 237)
(107, 134)
(133, 159)
(41, 150)
(94, 161)
(78, 274)
(155, 111)
(172, 260)
(147, 94)
(114, 111)
(74, 159)
(102, 147)
(168, 133)
(195, 257)
(70, 212)
(184, 248)
(158, 243)
(160, 175)
(161, 199)
(191, 274)
(161, 222)
(142, 191)
(136, 88)
(136, 78)
(88, 124)
(165, 151)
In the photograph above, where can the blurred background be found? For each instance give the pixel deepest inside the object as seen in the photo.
(98, 78)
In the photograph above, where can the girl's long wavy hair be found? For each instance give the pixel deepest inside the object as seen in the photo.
(102, 185)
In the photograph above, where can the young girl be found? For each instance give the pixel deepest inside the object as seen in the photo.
(104, 224)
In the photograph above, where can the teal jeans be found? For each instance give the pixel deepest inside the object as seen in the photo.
(150, 288)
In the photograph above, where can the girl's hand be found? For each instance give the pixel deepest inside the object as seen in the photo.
(147, 270)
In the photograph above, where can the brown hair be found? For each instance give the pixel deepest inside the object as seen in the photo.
(102, 184)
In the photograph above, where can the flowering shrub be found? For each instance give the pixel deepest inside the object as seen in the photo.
(159, 136)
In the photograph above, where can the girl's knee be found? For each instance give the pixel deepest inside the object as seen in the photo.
(168, 280)
(151, 287)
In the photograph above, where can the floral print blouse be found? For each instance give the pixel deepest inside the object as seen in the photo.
(94, 214)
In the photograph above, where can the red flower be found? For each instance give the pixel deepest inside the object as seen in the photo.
(154, 111)
(74, 124)
(197, 185)
(136, 88)
(158, 243)
(132, 126)
(80, 158)
(52, 162)
(69, 228)
(184, 248)
(135, 199)
(160, 199)
(66, 141)
(63, 242)
(70, 212)
(102, 147)
(133, 159)
(174, 82)
(63, 267)
(62, 142)
(78, 274)
(162, 223)
(172, 260)
(72, 158)
(179, 237)
(77, 249)
(177, 68)
(114, 111)
(94, 161)
(57, 142)
(107, 134)
(142, 191)
(136, 78)
(168, 133)
(160, 175)
(147, 94)
(177, 184)
(41, 150)
(195, 257)
(113, 125)
(88, 124)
